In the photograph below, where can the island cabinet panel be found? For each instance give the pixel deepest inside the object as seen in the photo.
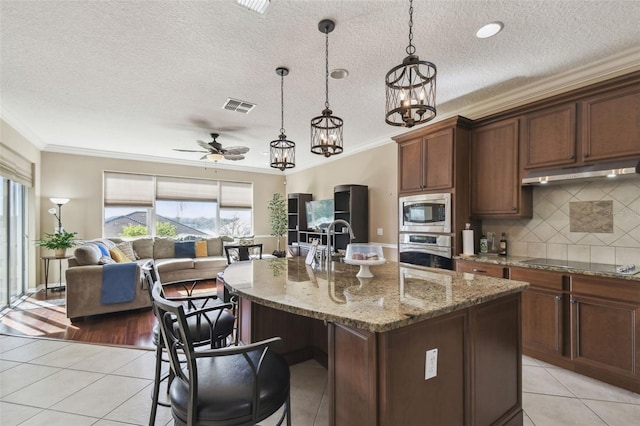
(542, 311)
(495, 174)
(353, 378)
(378, 379)
(605, 329)
(611, 124)
(496, 372)
(406, 398)
(549, 137)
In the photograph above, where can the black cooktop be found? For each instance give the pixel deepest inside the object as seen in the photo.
(585, 266)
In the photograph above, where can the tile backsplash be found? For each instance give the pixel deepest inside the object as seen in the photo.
(611, 207)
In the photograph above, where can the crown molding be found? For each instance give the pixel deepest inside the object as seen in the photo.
(155, 159)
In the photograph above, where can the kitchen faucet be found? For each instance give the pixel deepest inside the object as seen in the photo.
(329, 229)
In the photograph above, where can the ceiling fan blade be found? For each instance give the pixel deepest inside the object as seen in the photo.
(236, 150)
(233, 157)
(188, 150)
(205, 145)
(204, 157)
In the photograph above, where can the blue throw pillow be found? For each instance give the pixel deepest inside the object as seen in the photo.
(103, 249)
(185, 249)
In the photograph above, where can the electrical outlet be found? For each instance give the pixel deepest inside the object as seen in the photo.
(380, 233)
(431, 364)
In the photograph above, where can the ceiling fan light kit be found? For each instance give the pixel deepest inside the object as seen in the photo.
(411, 88)
(326, 129)
(282, 152)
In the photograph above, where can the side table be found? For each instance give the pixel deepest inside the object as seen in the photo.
(47, 260)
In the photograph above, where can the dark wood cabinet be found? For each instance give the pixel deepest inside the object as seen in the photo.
(351, 203)
(542, 311)
(472, 267)
(605, 329)
(430, 158)
(478, 379)
(296, 215)
(611, 124)
(549, 137)
(495, 175)
(426, 163)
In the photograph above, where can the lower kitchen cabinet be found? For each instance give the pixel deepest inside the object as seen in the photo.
(584, 323)
(605, 329)
(479, 268)
(542, 311)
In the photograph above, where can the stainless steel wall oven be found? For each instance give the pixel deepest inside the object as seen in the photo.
(426, 250)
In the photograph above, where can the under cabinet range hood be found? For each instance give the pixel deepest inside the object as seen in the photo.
(606, 169)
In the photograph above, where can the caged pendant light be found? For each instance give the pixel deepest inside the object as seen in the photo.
(411, 88)
(282, 152)
(326, 129)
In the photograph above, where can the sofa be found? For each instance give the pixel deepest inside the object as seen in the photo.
(104, 275)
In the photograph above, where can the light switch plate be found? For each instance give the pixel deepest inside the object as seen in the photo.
(431, 364)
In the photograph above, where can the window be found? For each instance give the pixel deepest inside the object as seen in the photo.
(139, 205)
(15, 180)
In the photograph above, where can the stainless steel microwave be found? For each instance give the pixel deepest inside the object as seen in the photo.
(425, 213)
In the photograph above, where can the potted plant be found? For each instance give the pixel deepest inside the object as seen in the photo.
(278, 221)
(59, 242)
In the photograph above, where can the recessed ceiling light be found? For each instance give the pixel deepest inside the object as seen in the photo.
(489, 30)
(339, 73)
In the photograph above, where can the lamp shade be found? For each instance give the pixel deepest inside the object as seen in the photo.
(59, 201)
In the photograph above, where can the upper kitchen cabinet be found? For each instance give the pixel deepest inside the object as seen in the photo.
(428, 157)
(611, 124)
(549, 137)
(495, 177)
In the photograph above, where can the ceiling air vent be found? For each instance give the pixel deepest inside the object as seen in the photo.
(239, 106)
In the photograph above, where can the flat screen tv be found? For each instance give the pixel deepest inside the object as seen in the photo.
(319, 214)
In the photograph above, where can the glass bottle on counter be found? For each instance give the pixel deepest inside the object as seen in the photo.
(503, 245)
(484, 244)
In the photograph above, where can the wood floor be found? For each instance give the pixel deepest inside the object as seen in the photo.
(45, 316)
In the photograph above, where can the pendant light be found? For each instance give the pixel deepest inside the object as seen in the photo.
(411, 88)
(326, 129)
(282, 151)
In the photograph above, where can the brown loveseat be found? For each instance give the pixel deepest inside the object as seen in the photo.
(175, 260)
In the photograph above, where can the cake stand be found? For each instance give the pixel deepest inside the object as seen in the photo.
(364, 271)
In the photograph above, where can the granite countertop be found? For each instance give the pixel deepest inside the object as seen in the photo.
(395, 297)
(584, 268)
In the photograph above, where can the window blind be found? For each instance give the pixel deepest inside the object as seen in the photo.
(126, 189)
(15, 167)
(176, 189)
(236, 195)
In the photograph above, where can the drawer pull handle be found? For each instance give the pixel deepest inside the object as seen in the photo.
(478, 270)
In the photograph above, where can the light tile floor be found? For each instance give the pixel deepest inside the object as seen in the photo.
(52, 382)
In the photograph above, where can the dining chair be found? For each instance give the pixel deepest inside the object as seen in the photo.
(230, 386)
(214, 329)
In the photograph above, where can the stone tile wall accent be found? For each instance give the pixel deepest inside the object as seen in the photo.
(591, 216)
(549, 234)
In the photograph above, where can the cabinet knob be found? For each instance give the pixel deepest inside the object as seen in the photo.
(586, 154)
(558, 298)
(571, 156)
(514, 208)
(572, 301)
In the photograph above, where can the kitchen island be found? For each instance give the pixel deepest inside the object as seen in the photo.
(376, 332)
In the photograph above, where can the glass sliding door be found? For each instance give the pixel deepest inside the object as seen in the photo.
(13, 246)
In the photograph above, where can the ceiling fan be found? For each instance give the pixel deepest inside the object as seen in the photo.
(215, 151)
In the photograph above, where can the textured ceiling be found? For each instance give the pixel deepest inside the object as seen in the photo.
(138, 78)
